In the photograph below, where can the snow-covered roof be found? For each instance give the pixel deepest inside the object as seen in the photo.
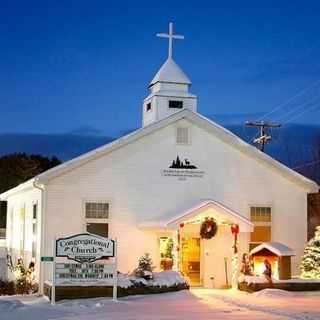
(170, 72)
(277, 248)
(220, 212)
(218, 131)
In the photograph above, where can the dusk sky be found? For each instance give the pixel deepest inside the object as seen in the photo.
(84, 66)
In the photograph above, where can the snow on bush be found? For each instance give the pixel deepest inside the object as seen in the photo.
(168, 279)
(126, 281)
(273, 293)
(252, 279)
(160, 279)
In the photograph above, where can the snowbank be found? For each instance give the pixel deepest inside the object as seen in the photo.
(273, 293)
(160, 279)
(252, 279)
(168, 279)
(8, 305)
(261, 279)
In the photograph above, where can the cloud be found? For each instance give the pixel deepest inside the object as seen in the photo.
(86, 130)
(235, 118)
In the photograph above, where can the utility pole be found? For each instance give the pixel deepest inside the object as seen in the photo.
(262, 126)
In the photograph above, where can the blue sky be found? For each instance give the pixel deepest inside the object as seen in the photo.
(84, 66)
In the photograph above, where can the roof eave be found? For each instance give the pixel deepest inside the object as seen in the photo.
(29, 184)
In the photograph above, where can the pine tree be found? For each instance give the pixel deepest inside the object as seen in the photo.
(145, 267)
(310, 263)
(145, 263)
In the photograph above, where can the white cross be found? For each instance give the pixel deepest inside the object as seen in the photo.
(170, 36)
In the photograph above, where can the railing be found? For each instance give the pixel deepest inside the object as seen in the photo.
(2, 233)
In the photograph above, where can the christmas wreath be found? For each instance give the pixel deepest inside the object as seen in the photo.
(208, 228)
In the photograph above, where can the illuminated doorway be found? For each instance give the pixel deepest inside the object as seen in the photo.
(190, 259)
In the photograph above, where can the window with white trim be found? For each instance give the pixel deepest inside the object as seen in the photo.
(183, 136)
(97, 218)
(34, 229)
(261, 218)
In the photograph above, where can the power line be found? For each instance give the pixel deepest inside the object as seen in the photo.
(299, 94)
(297, 108)
(302, 113)
(307, 164)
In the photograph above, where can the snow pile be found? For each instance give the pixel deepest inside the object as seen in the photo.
(261, 279)
(160, 279)
(126, 281)
(273, 293)
(8, 305)
(252, 279)
(168, 279)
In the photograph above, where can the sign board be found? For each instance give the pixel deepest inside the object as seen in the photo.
(85, 274)
(182, 169)
(85, 247)
(47, 259)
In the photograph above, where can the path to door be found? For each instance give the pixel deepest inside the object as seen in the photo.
(201, 304)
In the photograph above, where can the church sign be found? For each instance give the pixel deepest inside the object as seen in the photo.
(84, 274)
(85, 247)
(182, 169)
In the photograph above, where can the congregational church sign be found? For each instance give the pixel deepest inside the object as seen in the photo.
(182, 169)
(85, 247)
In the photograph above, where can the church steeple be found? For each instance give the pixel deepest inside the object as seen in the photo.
(169, 89)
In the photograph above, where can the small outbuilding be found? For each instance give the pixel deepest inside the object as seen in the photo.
(279, 256)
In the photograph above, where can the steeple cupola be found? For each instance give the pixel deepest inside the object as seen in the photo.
(169, 89)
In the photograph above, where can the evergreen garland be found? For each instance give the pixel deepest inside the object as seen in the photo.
(208, 228)
(310, 263)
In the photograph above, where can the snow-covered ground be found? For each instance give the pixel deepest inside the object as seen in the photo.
(199, 304)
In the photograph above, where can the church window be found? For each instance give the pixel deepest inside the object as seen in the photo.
(175, 104)
(99, 229)
(97, 210)
(148, 107)
(183, 136)
(261, 218)
(3, 219)
(34, 229)
(97, 218)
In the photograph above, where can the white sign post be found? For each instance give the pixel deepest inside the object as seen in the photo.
(53, 288)
(84, 248)
(115, 274)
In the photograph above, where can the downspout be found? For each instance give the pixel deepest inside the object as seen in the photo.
(42, 238)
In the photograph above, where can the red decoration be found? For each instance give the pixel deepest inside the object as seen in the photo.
(181, 225)
(234, 229)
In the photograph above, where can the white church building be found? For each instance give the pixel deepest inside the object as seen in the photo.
(156, 186)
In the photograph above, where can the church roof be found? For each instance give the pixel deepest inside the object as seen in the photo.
(220, 132)
(170, 72)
